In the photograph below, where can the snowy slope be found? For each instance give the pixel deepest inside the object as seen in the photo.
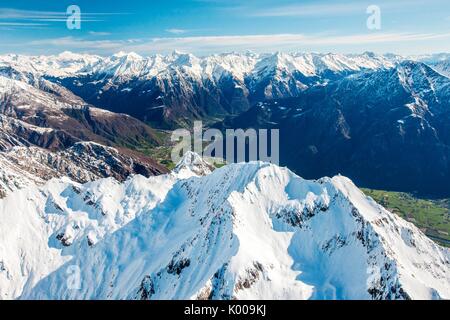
(44, 227)
(64, 64)
(243, 231)
(439, 62)
(443, 67)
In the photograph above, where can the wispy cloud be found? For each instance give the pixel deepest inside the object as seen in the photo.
(210, 44)
(309, 10)
(321, 8)
(13, 26)
(78, 43)
(9, 15)
(176, 31)
(277, 41)
(21, 24)
(99, 33)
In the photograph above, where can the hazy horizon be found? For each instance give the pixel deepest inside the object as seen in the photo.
(226, 53)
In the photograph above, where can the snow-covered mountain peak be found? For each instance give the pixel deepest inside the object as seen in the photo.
(369, 54)
(126, 56)
(244, 231)
(423, 81)
(186, 59)
(8, 84)
(192, 164)
(25, 96)
(71, 56)
(62, 65)
(176, 53)
(125, 65)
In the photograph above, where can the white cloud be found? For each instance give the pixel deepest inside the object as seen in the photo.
(260, 43)
(99, 33)
(77, 43)
(23, 16)
(276, 42)
(320, 8)
(7, 13)
(176, 31)
(21, 24)
(309, 10)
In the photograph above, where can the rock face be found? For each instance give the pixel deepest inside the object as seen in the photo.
(47, 132)
(442, 67)
(439, 62)
(83, 162)
(244, 231)
(17, 133)
(64, 118)
(388, 129)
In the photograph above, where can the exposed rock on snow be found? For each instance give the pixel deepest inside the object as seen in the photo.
(83, 162)
(192, 164)
(42, 126)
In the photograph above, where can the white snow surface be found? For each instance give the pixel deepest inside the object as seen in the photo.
(244, 231)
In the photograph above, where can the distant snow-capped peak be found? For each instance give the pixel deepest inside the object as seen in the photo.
(61, 65)
(192, 164)
(125, 65)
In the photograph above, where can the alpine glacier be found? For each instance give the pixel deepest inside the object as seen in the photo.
(244, 231)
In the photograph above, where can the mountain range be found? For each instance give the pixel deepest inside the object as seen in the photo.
(382, 120)
(46, 131)
(87, 213)
(386, 129)
(168, 91)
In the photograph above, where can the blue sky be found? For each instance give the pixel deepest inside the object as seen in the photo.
(212, 26)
